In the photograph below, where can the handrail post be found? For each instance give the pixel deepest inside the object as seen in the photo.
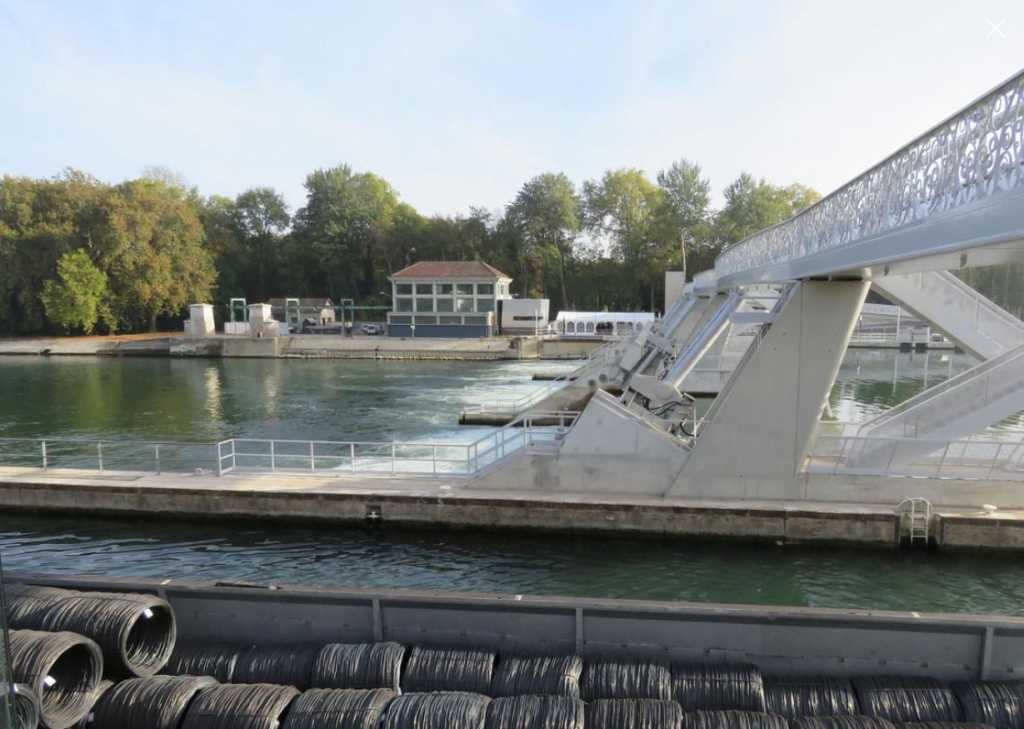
(273, 460)
(433, 458)
(44, 455)
(220, 458)
(312, 457)
(392, 459)
(99, 454)
(156, 449)
(352, 457)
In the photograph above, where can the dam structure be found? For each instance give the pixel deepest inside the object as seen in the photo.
(769, 325)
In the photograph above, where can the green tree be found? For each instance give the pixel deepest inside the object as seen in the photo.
(686, 209)
(261, 217)
(753, 204)
(546, 212)
(77, 298)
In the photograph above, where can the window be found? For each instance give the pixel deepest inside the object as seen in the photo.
(445, 289)
(424, 289)
(400, 319)
(426, 320)
(477, 320)
(445, 305)
(535, 317)
(450, 319)
(403, 289)
(590, 327)
(403, 304)
(485, 304)
(464, 289)
(485, 289)
(424, 304)
(464, 305)
(570, 327)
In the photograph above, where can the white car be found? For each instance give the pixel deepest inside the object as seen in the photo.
(372, 329)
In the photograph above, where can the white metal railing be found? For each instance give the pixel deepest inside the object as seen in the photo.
(107, 455)
(971, 156)
(987, 318)
(972, 458)
(536, 430)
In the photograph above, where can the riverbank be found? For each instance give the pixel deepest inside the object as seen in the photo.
(305, 346)
(439, 502)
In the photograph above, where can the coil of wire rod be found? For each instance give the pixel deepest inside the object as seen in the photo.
(284, 665)
(622, 678)
(62, 669)
(840, 722)
(191, 658)
(27, 604)
(136, 632)
(359, 666)
(26, 706)
(999, 703)
(451, 668)
(437, 710)
(154, 702)
(86, 721)
(733, 720)
(718, 686)
(633, 714)
(906, 699)
(945, 725)
(238, 706)
(535, 712)
(537, 675)
(339, 709)
(793, 696)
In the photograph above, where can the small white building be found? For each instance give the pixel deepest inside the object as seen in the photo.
(601, 323)
(525, 316)
(446, 299)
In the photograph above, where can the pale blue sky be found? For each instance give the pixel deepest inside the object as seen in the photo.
(457, 103)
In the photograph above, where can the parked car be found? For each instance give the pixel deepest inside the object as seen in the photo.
(372, 329)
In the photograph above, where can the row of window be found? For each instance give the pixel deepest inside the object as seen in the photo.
(444, 305)
(601, 327)
(478, 320)
(447, 289)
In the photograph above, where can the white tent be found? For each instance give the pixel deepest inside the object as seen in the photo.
(601, 323)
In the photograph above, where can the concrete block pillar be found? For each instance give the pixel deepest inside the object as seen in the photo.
(761, 425)
(260, 320)
(200, 320)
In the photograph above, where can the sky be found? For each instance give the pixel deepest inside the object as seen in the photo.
(457, 103)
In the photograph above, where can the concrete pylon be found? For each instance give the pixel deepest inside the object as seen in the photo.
(760, 427)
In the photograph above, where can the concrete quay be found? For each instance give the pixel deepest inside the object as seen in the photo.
(439, 502)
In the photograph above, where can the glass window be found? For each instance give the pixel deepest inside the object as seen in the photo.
(485, 304)
(485, 289)
(476, 320)
(403, 289)
(424, 289)
(450, 319)
(445, 305)
(426, 320)
(445, 289)
(400, 319)
(464, 289)
(570, 327)
(403, 304)
(464, 305)
(424, 304)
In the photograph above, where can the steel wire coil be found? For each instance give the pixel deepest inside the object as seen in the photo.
(26, 706)
(840, 722)
(339, 709)
(238, 706)
(437, 710)
(86, 722)
(718, 687)
(26, 604)
(359, 666)
(906, 699)
(633, 714)
(204, 659)
(154, 702)
(535, 712)
(999, 703)
(623, 678)
(944, 725)
(732, 720)
(793, 696)
(285, 665)
(135, 631)
(62, 669)
(537, 675)
(459, 669)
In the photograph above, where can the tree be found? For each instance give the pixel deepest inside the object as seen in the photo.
(686, 205)
(753, 204)
(546, 212)
(77, 299)
(261, 217)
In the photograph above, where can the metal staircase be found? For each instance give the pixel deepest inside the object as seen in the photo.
(975, 323)
(918, 515)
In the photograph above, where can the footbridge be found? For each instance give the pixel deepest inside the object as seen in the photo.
(777, 313)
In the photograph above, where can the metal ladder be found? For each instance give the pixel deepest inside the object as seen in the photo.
(919, 517)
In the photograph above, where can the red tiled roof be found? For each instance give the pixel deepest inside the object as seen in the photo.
(450, 269)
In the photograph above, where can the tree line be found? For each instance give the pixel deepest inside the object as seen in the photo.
(80, 255)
